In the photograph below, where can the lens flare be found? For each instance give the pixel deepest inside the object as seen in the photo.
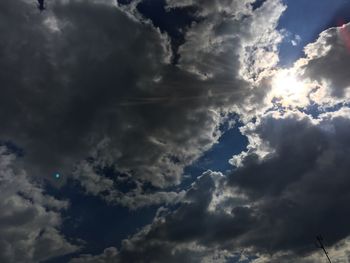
(344, 33)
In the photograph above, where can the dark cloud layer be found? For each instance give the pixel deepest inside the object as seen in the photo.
(171, 234)
(88, 85)
(30, 220)
(301, 186)
(285, 196)
(85, 79)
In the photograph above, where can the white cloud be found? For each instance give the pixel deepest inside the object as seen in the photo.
(136, 197)
(324, 69)
(296, 41)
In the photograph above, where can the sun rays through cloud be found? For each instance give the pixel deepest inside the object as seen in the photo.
(288, 89)
(166, 131)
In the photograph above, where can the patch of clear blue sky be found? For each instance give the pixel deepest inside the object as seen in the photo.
(308, 18)
(217, 158)
(98, 223)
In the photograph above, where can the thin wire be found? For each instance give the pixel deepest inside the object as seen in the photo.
(321, 245)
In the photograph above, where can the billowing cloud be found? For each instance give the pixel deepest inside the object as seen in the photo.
(89, 84)
(29, 219)
(296, 177)
(323, 72)
(328, 60)
(96, 88)
(232, 40)
(288, 188)
(108, 189)
(173, 236)
(319, 79)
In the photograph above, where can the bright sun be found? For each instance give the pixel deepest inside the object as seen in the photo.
(288, 89)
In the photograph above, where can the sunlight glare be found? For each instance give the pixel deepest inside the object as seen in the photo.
(288, 89)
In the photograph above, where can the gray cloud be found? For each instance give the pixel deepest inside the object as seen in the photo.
(109, 255)
(289, 188)
(98, 185)
(96, 87)
(85, 79)
(207, 7)
(29, 218)
(173, 236)
(299, 183)
(232, 38)
(327, 61)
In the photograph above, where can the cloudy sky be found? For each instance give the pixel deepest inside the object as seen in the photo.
(151, 131)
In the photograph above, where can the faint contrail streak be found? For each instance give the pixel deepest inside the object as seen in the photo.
(168, 99)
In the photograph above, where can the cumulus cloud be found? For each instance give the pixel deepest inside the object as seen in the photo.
(298, 182)
(173, 235)
(231, 37)
(87, 79)
(291, 184)
(320, 78)
(323, 70)
(88, 85)
(327, 60)
(94, 85)
(272, 206)
(109, 189)
(295, 177)
(29, 219)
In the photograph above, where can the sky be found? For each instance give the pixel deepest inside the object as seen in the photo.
(197, 131)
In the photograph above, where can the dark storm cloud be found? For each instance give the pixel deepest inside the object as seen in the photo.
(294, 186)
(90, 77)
(29, 218)
(85, 79)
(301, 186)
(289, 186)
(173, 236)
